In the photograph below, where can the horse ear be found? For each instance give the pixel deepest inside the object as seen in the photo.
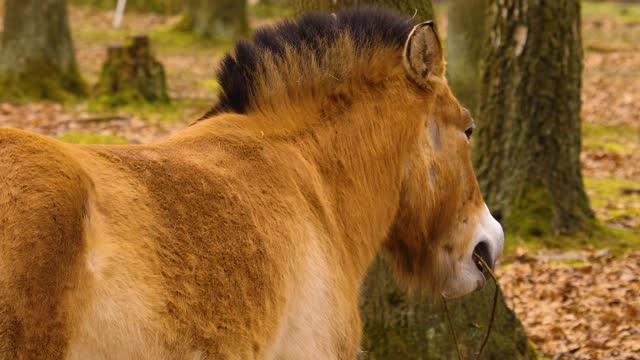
(423, 55)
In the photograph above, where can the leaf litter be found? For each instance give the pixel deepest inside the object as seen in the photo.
(586, 311)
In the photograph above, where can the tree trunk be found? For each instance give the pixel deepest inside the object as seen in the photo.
(528, 143)
(222, 20)
(465, 42)
(422, 10)
(37, 59)
(132, 75)
(397, 327)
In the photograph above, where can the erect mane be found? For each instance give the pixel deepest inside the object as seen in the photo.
(317, 51)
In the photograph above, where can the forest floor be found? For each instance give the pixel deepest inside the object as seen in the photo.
(579, 298)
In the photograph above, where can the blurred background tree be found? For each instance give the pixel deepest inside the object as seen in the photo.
(527, 150)
(465, 43)
(222, 20)
(156, 6)
(37, 60)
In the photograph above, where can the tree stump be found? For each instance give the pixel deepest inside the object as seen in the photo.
(131, 75)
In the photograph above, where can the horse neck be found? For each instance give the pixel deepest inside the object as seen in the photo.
(356, 158)
(359, 156)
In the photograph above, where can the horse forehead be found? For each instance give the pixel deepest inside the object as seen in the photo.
(447, 109)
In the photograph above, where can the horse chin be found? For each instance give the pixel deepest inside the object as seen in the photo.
(468, 280)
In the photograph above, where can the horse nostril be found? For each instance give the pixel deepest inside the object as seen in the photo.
(482, 250)
(497, 214)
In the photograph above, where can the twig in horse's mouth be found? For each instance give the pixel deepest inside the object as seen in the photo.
(478, 263)
(485, 269)
(482, 251)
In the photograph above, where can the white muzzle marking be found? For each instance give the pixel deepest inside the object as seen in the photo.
(470, 278)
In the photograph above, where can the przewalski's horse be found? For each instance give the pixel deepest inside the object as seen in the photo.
(247, 234)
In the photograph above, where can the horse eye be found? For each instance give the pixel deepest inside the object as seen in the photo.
(469, 131)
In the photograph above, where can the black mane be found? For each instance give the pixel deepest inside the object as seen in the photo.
(365, 26)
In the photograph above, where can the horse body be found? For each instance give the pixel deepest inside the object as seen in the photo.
(212, 245)
(246, 235)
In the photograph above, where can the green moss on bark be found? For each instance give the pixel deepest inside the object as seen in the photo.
(41, 81)
(531, 213)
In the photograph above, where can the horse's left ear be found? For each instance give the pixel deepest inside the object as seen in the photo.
(423, 55)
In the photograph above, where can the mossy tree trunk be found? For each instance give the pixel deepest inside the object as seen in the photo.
(37, 58)
(222, 20)
(465, 42)
(528, 144)
(398, 327)
(421, 9)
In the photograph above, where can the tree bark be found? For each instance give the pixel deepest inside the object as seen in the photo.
(528, 144)
(422, 10)
(398, 327)
(465, 42)
(222, 20)
(131, 75)
(37, 58)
